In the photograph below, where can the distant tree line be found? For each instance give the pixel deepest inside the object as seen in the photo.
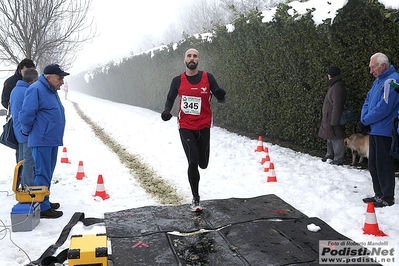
(202, 16)
(275, 73)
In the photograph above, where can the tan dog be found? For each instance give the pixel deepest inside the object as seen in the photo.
(359, 144)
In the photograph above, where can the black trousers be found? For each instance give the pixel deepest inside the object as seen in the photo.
(196, 146)
(381, 167)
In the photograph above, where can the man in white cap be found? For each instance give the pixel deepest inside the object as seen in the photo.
(379, 109)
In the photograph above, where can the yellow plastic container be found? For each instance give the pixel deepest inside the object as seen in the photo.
(88, 250)
(27, 194)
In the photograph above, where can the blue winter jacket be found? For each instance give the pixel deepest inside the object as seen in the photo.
(16, 100)
(42, 115)
(375, 111)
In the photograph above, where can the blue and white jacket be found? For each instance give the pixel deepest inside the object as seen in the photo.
(42, 116)
(379, 111)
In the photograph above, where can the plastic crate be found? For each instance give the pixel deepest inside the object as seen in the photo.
(25, 216)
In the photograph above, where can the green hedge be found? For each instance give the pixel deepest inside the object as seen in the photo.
(274, 73)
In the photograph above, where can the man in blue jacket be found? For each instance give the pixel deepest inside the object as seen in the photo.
(10, 83)
(16, 101)
(42, 119)
(379, 109)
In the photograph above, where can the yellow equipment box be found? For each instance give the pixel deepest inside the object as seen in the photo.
(27, 194)
(88, 250)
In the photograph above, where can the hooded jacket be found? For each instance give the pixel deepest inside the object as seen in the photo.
(42, 116)
(9, 85)
(376, 112)
(332, 108)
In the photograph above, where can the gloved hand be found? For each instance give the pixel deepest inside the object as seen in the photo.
(395, 86)
(166, 115)
(220, 94)
(362, 128)
(332, 129)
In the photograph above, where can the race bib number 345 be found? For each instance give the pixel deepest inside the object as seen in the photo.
(191, 105)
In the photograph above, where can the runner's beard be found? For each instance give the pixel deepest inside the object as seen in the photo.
(191, 65)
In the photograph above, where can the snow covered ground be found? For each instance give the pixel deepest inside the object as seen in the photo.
(332, 193)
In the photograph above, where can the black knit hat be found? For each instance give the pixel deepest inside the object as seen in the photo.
(334, 71)
(55, 69)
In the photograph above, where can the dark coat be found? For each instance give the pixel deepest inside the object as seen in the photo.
(332, 108)
(9, 85)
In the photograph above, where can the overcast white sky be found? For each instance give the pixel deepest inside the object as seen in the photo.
(121, 25)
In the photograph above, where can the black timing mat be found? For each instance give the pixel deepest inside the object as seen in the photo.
(264, 230)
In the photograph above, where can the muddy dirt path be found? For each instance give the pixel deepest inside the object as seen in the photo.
(161, 190)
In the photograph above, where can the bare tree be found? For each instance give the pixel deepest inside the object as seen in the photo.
(202, 15)
(148, 41)
(46, 31)
(172, 34)
(244, 6)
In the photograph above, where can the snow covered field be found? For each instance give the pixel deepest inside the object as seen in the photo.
(332, 193)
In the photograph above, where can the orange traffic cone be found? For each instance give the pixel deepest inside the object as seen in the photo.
(100, 191)
(371, 224)
(266, 164)
(266, 150)
(259, 147)
(64, 158)
(272, 175)
(81, 173)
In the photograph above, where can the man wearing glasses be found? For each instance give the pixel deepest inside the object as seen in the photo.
(42, 119)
